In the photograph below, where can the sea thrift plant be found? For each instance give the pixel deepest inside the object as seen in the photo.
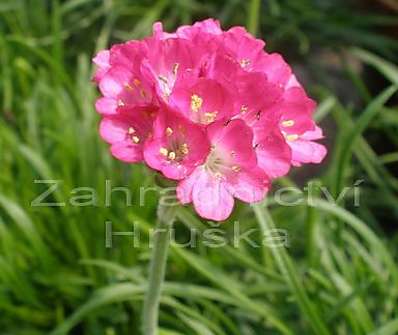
(209, 109)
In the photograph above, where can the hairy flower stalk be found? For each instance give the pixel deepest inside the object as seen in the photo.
(157, 269)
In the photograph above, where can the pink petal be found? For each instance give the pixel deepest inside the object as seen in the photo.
(113, 130)
(185, 187)
(158, 32)
(102, 62)
(235, 140)
(292, 82)
(101, 59)
(106, 106)
(273, 155)
(209, 26)
(297, 109)
(114, 82)
(211, 198)
(256, 92)
(304, 151)
(128, 153)
(250, 186)
(242, 47)
(315, 134)
(275, 67)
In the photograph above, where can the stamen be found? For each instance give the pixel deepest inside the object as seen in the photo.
(291, 137)
(172, 155)
(131, 131)
(136, 139)
(184, 148)
(196, 102)
(169, 131)
(120, 103)
(163, 151)
(210, 117)
(287, 123)
(236, 168)
(243, 109)
(244, 62)
(137, 82)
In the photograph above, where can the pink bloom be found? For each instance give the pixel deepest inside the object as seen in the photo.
(202, 100)
(298, 127)
(176, 146)
(166, 60)
(305, 150)
(208, 108)
(230, 170)
(127, 132)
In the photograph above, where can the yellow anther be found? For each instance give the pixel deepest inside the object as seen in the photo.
(120, 103)
(131, 131)
(172, 155)
(196, 102)
(184, 148)
(163, 151)
(210, 117)
(137, 82)
(129, 87)
(244, 62)
(236, 168)
(288, 123)
(169, 131)
(136, 139)
(291, 137)
(243, 109)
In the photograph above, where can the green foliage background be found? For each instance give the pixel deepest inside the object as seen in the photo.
(339, 274)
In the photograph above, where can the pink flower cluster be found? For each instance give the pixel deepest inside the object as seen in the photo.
(208, 108)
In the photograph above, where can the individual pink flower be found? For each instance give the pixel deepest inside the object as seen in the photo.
(298, 127)
(208, 108)
(202, 100)
(128, 131)
(230, 170)
(176, 146)
(306, 150)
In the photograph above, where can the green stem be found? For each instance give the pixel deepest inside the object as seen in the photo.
(253, 20)
(157, 269)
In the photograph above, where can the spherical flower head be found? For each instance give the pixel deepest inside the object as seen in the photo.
(209, 109)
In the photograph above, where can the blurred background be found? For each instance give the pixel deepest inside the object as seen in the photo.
(339, 273)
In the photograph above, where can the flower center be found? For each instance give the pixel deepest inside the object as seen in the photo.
(196, 103)
(221, 164)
